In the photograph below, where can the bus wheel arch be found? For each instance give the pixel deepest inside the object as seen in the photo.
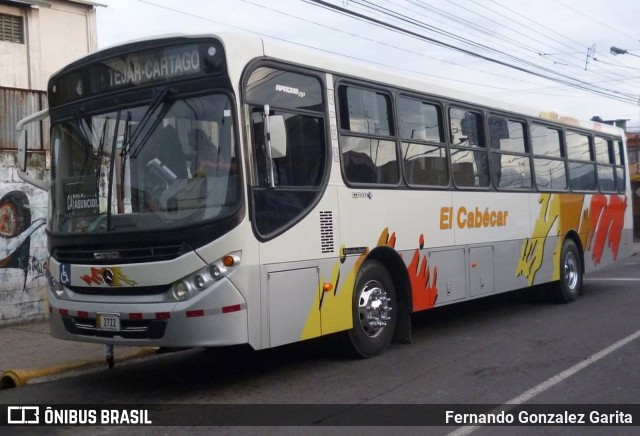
(380, 294)
(393, 263)
(576, 239)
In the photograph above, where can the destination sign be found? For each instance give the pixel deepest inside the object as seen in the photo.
(141, 68)
(136, 68)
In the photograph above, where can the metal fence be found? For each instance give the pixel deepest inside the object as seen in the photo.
(16, 104)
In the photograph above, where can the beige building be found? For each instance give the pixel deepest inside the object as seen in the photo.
(38, 37)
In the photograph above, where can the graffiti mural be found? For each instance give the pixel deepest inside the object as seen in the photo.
(23, 251)
(16, 228)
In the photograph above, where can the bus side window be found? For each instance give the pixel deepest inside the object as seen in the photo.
(605, 163)
(510, 166)
(305, 155)
(582, 169)
(620, 164)
(469, 160)
(550, 167)
(304, 162)
(424, 152)
(367, 136)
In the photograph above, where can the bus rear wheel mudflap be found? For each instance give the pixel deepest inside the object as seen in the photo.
(374, 311)
(570, 286)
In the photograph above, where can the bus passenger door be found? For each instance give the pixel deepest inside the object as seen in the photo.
(289, 162)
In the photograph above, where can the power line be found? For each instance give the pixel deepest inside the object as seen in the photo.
(596, 21)
(558, 78)
(611, 74)
(548, 74)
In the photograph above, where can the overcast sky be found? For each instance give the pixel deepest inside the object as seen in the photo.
(568, 40)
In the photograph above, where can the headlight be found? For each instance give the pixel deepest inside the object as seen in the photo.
(199, 281)
(205, 277)
(181, 291)
(58, 290)
(215, 271)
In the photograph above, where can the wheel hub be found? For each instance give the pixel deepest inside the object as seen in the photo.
(570, 271)
(373, 308)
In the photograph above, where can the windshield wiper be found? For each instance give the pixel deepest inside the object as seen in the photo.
(101, 150)
(79, 121)
(133, 148)
(124, 153)
(111, 168)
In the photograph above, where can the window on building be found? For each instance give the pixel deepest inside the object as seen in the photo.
(633, 156)
(11, 28)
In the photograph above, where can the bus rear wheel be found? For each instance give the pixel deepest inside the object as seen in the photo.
(374, 311)
(570, 286)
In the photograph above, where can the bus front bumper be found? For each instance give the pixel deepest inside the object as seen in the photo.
(216, 317)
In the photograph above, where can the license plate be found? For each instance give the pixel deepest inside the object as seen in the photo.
(108, 321)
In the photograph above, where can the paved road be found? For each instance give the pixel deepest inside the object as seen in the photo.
(494, 350)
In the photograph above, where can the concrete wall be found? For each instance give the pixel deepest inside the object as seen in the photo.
(23, 244)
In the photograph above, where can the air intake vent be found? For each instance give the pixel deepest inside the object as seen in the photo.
(326, 231)
(101, 254)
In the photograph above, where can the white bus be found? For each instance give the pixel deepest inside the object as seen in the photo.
(218, 190)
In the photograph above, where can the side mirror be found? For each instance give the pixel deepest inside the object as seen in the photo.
(23, 146)
(275, 139)
(22, 150)
(278, 136)
(23, 137)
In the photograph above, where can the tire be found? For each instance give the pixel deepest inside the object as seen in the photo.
(374, 311)
(570, 286)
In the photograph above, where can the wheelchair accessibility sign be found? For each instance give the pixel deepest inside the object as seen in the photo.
(65, 274)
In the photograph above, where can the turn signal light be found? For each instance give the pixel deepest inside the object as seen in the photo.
(228, 261)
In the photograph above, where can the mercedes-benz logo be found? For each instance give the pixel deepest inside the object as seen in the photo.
(107, 276)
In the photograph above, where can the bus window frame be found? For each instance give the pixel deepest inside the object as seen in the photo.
(252, 181)
(448, 136)
(392, 94)
(441, 106)
(527, 153)
(562, 149)
(610, 164)
(591, 161)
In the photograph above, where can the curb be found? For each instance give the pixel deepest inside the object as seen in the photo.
(20, 377)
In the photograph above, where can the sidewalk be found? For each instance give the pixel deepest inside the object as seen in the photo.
(28, 353)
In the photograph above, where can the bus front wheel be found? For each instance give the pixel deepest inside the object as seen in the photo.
(570, 286)
(374, 311)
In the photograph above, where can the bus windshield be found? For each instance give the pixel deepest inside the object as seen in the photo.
(166, 164)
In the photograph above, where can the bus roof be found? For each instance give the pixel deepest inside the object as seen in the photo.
(343, 65)
(370, 71)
